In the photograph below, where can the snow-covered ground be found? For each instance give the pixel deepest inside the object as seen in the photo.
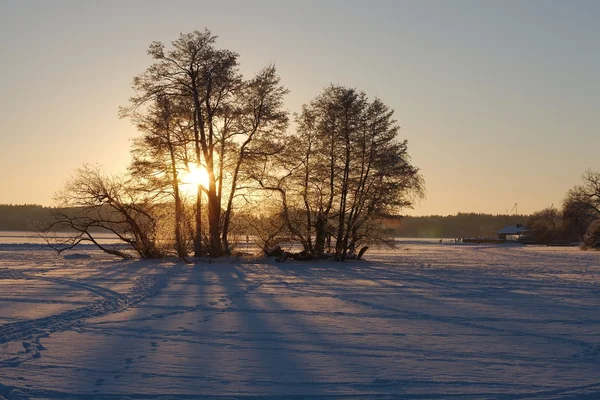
(425, 321)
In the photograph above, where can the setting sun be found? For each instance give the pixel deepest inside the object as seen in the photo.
(195, 176)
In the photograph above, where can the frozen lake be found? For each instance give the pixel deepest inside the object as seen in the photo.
(428, 320)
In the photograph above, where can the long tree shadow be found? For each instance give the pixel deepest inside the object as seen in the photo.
(468, 315)
(270, 361)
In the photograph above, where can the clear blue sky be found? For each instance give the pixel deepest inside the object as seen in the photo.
(500, 101)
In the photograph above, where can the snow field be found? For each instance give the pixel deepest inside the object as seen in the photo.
(424, 321)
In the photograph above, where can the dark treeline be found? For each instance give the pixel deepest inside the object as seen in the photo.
(454, 226)
(30, 217)
(23, 217)
(27, 216)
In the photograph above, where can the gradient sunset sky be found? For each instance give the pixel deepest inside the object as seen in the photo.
(499, 100)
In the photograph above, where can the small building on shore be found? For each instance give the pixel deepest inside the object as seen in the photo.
(514, 233)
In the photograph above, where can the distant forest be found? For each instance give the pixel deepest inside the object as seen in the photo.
(454, 226)
(24, 217)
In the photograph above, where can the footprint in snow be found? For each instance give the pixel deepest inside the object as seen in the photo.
(591, 353)
(382, 381)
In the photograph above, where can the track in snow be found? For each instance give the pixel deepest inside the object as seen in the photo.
(110, 302)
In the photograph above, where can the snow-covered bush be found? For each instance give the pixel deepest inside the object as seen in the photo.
(591, 239)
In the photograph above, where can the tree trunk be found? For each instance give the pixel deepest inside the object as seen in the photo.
(199, 141)
(179, 242)
(214, 214)
(340, 246)
(319, 249)
(362, 252)
(228, 210)
(227, 217)
(198, 236)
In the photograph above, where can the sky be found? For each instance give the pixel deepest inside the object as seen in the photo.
(499, 100)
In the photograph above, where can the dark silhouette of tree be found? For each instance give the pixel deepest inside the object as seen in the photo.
(343, 169)
(335, 178)
(546, 225)
(591, 239)
(228, 115)
(581, 206)
(160, 155)
(259, 118)
(91, 202)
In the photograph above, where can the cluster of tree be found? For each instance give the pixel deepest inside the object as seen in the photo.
(578, 220)
(324, 185)
(453, 226)
(340, 172)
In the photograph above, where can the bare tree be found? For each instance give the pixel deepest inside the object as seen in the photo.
(228, 115)
(260, 116)
(546, 225)
(161, 154)
(591, 239)
(581, 206)
(92, 202)
(208, 77)
(343, 169)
